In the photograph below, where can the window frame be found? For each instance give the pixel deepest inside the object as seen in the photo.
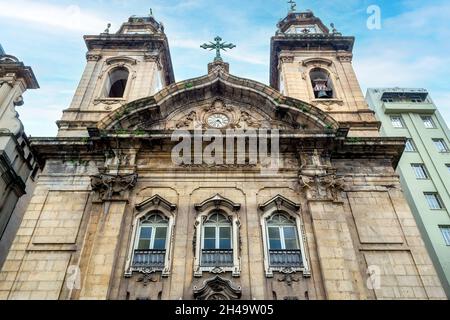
(444, 144)
(103, 92)
(402, 124)
(229, 210)
(291, 210)
(424, 169)
(445, 237)
(153, 233)
(438, 200)
(431, 121)
(412, 143)
(149, 207)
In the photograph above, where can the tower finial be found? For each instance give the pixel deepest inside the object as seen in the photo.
(293, 5)
(151, 12)
(107, 28)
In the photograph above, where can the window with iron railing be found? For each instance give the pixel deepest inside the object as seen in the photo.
(217, 246)
(284, 246)
(150, 249)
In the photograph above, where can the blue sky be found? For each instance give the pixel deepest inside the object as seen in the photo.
(411, 49)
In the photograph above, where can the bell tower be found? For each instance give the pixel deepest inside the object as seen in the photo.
(312, 63)
(121, 67)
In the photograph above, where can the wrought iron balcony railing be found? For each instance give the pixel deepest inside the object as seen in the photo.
(149, 259)
(217, 258)
(286, 258)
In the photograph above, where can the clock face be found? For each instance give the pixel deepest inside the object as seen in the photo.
(218, 121)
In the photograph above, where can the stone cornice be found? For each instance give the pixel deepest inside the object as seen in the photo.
(293, 42)
(19, 71)
(148, 42)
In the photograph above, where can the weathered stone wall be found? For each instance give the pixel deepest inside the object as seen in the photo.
(351, 228)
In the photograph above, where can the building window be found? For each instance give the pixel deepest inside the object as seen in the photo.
(152, 230)
(448, 167)
(284, 247)
(283, 237)
(150, 249)
(117, 83)
(416, 100)
(434, 201)
(217, 237)
(440, 145)
(410, 146)
(420, 171)
(217, 249)
(388, 100)
(428, 122)
(397, 122)
(322, 84)
(446, 234)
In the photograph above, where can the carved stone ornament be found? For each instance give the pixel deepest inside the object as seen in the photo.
(93, 57)
(147, 276)
(287, 59)
(289, 278)
(187, 121)
(217, 289)
(108, 186)
(321, 186)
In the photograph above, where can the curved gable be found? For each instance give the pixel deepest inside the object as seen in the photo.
(247, 103)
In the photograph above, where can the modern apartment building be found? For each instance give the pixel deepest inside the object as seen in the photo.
(425, 166)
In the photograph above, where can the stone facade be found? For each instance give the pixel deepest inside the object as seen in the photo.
(17, 161)
(355, 235)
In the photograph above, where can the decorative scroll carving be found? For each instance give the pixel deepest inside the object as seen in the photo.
(345, 57)
(321, 186)
(218, 289)
(287, 59)
(108, 186)
(218, 105)
(93, 57)
(186, 122)
(147, 276)
(248, 119)
(289, 278)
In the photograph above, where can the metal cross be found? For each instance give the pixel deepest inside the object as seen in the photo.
(293, 5)
(218, 45)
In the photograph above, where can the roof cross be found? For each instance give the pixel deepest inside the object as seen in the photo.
(293, 5)
(218, 45)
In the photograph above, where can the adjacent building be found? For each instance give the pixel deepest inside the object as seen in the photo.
(115, 216)
(425, 165)
(17, 161)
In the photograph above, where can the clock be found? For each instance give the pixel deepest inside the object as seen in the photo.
(218, 120)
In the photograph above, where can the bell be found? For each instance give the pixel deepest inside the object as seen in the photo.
(322, 94)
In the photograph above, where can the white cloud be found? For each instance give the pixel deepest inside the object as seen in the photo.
(71, 17)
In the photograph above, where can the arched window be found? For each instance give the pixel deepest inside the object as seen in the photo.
(117, 83)
(217, 248)
(322, 84)
(283, 237)
(151, 241)
(284, 245)
(217, 242)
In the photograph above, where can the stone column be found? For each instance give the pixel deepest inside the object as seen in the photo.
(335, 249)
(113, 192)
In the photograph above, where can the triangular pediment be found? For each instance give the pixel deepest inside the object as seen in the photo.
(156, 200)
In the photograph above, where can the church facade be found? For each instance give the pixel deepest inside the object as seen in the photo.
(113, 216)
